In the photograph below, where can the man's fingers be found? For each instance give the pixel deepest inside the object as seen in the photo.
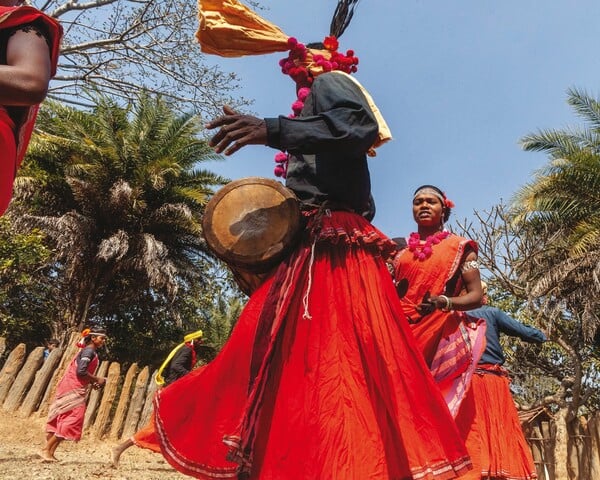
(227, 110)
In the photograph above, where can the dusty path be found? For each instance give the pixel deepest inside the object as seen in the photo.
(21, 439)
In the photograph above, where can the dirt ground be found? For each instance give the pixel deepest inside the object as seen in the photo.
(21, 439)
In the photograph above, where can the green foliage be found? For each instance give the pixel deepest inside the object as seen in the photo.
(25, 303)
(119, 195)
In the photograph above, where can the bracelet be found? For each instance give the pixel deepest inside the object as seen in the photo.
(448, 306)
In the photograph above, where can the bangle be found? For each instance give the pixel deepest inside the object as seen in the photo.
(448, 306)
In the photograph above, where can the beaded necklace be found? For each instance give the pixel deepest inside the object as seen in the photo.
(423, 250)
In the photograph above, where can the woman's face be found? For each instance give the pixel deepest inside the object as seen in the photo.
(427, 210)
(98, 340)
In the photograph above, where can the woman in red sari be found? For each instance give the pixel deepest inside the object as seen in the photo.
(321, 378)
(437, 279)
(67, 411)
(29, 46)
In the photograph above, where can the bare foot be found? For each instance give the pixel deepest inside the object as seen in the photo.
(46, 457)
(115, 454)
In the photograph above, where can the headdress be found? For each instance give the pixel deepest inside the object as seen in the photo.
(87, 333)
(433, 190)
(159, 379)
(230, 29)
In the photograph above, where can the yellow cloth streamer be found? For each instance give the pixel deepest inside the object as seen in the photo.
(188, 338)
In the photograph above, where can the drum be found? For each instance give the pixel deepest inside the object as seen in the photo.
(252, 224)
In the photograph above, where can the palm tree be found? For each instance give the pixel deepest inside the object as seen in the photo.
(565, 195)
(119, 191)
(560, 208)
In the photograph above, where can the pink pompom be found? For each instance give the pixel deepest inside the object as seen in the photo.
(279, 171)
(303, 93)
(281, 157)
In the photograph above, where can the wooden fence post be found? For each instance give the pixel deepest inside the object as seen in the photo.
(136, 404)
(40, 384)
(593, 425)
(94, 398)
(11, 369)
(70, 351)
(120, 412)
(149, 402)
(110, 392)
(24, 380)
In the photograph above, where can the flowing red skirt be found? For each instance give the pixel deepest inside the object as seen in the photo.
(495, 431)
(321, 379)
(8, 159)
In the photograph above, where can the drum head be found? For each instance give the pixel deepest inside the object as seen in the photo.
(252, 223)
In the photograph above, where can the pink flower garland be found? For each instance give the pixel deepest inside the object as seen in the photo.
(424, 250)
(293, 66)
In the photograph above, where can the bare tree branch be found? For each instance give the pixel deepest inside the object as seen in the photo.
(121, 47)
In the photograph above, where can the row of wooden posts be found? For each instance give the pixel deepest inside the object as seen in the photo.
(119, 409)
(28, 383)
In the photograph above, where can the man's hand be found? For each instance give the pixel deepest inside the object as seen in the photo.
(237, 131)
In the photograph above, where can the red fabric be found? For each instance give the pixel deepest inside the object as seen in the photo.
(451, 342)
(8, 149)
(495, 431)
(69, 424)
(334, 389)
(12, 157)
(146, 437)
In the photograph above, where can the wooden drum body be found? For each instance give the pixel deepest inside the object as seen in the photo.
(252, 224)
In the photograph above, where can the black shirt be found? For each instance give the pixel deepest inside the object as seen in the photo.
(328, 143)
(180, 364)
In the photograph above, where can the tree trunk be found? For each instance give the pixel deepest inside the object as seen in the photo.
(594, 430)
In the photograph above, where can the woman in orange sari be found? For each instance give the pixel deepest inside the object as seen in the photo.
(437, 279)
(29, 46)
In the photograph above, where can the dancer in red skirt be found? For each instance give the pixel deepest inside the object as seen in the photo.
(29, 45)
(180, 361)
(67, 411)
(504, 452)
(321, 378)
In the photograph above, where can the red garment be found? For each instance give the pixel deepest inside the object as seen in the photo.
(496, 431)
(320, 379)
(12, 155)
(146, 437)
(67, 412)
(451, 342)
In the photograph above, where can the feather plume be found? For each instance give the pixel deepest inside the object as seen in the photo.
(342, 16)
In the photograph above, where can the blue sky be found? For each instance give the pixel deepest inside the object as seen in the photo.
(459, 83)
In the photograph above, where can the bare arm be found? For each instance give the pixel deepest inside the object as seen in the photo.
(24, 80)
(472, 282)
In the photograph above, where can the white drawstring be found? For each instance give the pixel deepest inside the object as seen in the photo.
(306, 314)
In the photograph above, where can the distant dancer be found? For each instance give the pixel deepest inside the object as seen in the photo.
(29, 47)
(67, 412)
(496, 429)
(178, 363)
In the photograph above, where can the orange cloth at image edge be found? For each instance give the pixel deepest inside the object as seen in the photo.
(229, 29)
